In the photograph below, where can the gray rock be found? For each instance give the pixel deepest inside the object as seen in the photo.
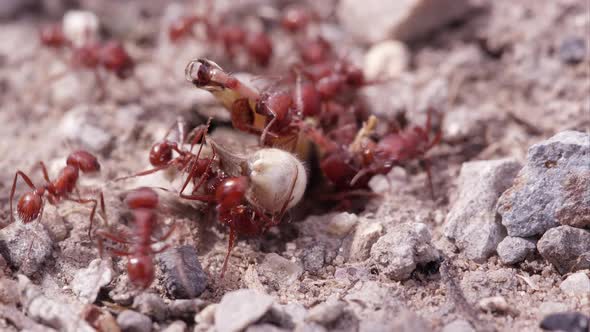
(151, 305)
(472, 221)
(326, 312)
(376, 20)
(47, 311)
(183, 276)
(573, 50)
(459, 325)
(341, 224)
(131, 321)
(278, 271)
(88, 282)
(566, 247)
(402, 249)
(576, 284)
(553, 188)
(185, 309)
(566, 321)
(265, 328)
(514, 250)
(26, 246)
(177, 326)
(314, 258)
(8, 291)
(366, 234)
(240, 308)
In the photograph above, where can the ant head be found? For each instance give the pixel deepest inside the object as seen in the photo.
(231, 192)
(200, 73)
(83, 160)
(142, 198)
(140, 269)
(316, 51)
(161, 153)
(29, 206)
(52, 36)
(115, 58)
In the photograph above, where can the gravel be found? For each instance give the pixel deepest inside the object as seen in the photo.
(577, 284)
(514, 250)
(553, 188)
(314, 258)
(25, 246)
(88, 282)
(326, 312)
(240, 308)
(278, 271)
(567, 248)
(151, 305)
(132, 321)
(366, 234)
(472, 221)
(182, 274)
(458, 325)
(402, 249)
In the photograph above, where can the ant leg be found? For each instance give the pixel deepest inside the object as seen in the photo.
(147, 172)
(193, 169)
(167, 234)
(29, 183)
(427, 167)
(44, 170)
(230, 246)
(266, 129)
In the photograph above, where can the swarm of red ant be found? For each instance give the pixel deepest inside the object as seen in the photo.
(313, 109)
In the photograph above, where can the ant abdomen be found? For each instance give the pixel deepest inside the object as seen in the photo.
(29, 206)
(140, 269)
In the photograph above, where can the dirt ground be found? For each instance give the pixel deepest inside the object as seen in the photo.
(507, 86)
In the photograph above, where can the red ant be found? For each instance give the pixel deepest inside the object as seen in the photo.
(232, 37)
(143, 203)
(30, 205)
(110, 55)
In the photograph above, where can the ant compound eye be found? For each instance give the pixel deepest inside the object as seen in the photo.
(278, 180)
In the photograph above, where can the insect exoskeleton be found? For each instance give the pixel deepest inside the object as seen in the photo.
(276, 177)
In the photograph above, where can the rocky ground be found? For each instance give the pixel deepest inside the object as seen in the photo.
(504, 244)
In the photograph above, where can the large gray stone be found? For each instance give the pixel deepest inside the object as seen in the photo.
(371, 21)
(183, 275)
(553, 188)
(472, 221)
(402, 249)
(566, 247)
(25, 246)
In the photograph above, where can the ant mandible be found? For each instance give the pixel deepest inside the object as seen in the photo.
(143, 203)
(30, 205)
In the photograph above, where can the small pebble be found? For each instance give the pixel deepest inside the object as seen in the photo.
(279, 271)
(495, 304)
(88, 282)
(341, 224)
(8, 291)
(150, 305)
(573, 50)
(177, 326)
(366, 234)
(131, 321)
(240, 308)
(566, 321)
(577, 284)
(386, 60)
(326, 312)
(185, 309)
(314, 258)
(514, 250)
(183, 275)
